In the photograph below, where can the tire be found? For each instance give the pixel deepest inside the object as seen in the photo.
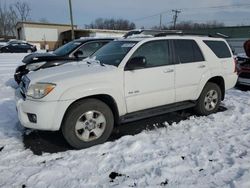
(29, 51)
(209, 99)
(87, 123)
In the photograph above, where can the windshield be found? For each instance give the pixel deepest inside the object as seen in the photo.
(67, 48)
(114, 52)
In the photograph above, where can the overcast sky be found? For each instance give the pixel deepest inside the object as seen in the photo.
(141, 12)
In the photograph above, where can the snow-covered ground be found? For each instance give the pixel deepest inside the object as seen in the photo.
(211, 151)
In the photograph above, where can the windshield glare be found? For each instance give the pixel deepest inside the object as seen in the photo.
(67, 48)
(114, 52)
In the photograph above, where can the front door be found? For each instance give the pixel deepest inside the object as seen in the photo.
(152, 85)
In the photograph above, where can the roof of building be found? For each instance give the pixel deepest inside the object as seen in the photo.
(40, 23)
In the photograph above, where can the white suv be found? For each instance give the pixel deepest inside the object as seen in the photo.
(126, 80)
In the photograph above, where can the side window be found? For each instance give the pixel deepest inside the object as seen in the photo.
(90, 48)
(155, 52)
(219, 48)
(187, 51)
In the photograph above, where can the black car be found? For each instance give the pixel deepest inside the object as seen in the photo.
(18, 47)
(73, 51)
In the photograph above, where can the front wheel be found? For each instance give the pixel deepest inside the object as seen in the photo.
(87, 123)
(209, 99)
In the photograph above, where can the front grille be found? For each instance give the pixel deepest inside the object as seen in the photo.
(244, 75)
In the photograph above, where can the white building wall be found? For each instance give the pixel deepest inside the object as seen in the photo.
(106, 34)
(40, 34)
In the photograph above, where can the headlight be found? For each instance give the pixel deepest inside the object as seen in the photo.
(40, 90)
(34, 66)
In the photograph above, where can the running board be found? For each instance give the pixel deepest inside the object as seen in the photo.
(142, 114)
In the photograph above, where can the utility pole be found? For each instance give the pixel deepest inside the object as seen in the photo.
(160, 21)
(71, 19)
(176, 12)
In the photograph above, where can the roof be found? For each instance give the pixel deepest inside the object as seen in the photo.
(40, 23)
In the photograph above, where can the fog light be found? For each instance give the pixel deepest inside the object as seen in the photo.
(32, 118)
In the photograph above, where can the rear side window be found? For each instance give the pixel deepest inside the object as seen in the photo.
(219, 48)
(187, 51)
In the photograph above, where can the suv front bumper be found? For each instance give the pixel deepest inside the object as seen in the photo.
(49, 115)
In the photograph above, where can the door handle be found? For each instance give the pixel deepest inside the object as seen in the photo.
(168, 70)
(201, 66)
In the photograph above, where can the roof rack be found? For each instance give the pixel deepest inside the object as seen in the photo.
(147, 32)
(163, 34)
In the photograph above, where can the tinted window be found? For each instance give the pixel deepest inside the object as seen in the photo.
(187, 51)
(89, 48)
(114, 52)
(67, 48)
(156, 53)
(219, 48)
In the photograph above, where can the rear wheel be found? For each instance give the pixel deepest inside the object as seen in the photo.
(209, 99)
(87, 123)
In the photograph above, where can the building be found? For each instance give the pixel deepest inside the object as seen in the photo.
(66, 35)
(43, 35)
(236, 36)
(51, 35)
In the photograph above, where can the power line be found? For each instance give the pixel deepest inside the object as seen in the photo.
(186, 9)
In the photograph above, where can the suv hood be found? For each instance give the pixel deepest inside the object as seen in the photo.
(39, 57)
(69, 71)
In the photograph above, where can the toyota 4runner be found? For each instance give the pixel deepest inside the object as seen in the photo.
(126, 80)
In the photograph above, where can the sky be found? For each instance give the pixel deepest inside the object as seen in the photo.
(142, 12)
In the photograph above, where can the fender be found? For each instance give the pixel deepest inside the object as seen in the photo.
(96, 88)
(205, 78)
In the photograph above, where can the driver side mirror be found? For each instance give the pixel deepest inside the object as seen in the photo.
(136, 63)
(78, 53)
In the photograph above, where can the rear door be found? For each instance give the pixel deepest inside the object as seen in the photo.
(152, 85)
(190, 66)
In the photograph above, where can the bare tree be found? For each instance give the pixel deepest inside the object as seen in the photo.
(189, 25)
(114, 24)
(23, 10)
(10, 15)
(8, 20)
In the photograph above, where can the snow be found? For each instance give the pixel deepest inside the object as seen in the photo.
(212, 151)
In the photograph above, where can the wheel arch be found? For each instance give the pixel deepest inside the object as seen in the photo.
(219, 80)
(107, 99)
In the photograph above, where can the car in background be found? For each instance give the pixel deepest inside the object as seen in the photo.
(16, 46)
(3, 44)
(73, 51)
(243, 66)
